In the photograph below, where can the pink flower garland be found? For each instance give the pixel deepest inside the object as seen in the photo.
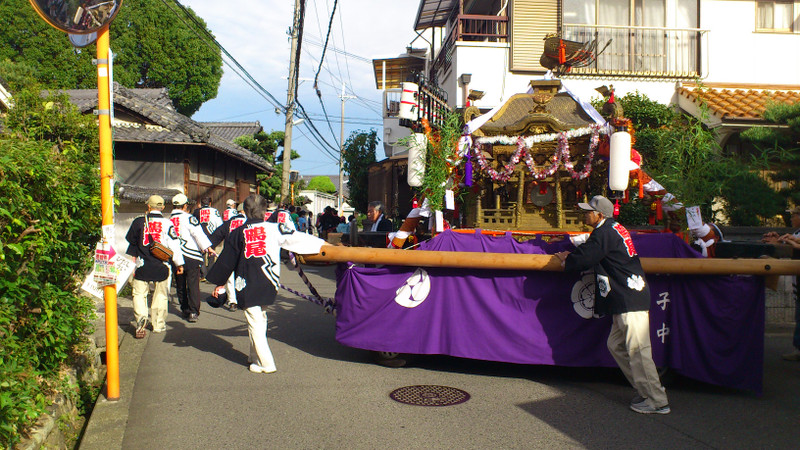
(561, 154)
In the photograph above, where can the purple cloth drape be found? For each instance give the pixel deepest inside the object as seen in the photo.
(709, 328)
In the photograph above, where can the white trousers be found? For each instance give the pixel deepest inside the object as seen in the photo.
(158, 307)
(260, 353)
(230, 289)
(629, 343)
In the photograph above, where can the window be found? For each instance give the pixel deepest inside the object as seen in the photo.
(774, 16)
(645, 37)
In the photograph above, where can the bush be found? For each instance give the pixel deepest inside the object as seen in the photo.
(49, 223)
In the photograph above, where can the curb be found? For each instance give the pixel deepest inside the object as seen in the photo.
(106, 426)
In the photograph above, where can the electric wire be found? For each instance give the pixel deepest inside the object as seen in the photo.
(275, 102)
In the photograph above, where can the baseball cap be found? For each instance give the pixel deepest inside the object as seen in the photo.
(155, 201)
(600, 204)
(230, 202)
(795, 210)
(179, 200)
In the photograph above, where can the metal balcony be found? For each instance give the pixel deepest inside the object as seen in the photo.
(469, 27)
(641, 51)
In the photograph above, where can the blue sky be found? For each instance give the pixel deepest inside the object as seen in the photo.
(255, 32)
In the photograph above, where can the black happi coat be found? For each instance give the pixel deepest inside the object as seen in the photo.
(222, 232)
(252, 253)
(148, 268)
(620, 284)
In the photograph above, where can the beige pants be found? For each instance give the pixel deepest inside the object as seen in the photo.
(158, 307)
(629, 343)
(260, 354)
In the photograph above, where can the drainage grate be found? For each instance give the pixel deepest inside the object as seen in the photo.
(429, 395)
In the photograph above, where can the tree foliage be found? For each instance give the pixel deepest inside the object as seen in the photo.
(155, 46)
(49, 223)
(683, 155)
(780, 146)
(322, 184)
(266, 145)
(359, 153)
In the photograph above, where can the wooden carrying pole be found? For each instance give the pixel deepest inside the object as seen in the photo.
(518, 261)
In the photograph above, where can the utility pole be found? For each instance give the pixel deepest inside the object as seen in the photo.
(287, 139)
(341, 153)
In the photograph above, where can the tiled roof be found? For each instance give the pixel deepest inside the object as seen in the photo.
(142, 193)
(159, 122)
(232, 130)
(739, 102)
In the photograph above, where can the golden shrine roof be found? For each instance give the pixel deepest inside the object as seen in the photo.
(739, 101)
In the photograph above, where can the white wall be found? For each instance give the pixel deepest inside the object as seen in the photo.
(740, 55)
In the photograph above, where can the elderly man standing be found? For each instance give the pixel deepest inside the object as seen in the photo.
(375, 215)
(194, 243)
(152, 227)
(621, 291)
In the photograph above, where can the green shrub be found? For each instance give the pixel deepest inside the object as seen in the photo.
(49, 224)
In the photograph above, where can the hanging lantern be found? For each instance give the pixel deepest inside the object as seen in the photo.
(408, 102)
(416, 159)
(619, 161)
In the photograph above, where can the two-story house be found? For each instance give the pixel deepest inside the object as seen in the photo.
(485, 51)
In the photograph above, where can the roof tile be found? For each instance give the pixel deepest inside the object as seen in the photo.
(739, 102)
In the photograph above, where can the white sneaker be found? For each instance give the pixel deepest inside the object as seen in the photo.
(794, 356)
(255, 368)
(647, 409)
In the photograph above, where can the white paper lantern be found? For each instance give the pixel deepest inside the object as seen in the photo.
(619, 161)
(408, 102)
(416, 159)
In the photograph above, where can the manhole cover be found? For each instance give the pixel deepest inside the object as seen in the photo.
(429, 395)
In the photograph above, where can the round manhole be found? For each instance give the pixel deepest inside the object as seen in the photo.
(429, 395)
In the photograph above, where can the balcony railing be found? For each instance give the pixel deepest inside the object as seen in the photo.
(469, 27)
(641, 51)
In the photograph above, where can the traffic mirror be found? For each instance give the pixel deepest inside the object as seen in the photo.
(77, 16)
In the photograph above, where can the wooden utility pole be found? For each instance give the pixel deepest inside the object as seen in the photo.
(287, 139)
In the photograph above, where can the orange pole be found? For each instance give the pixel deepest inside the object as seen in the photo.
(518, 261)
(107, 208)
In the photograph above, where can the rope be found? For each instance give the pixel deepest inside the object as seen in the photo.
(328, 303)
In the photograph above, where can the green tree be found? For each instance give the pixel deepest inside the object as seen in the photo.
(155, 46)
(780, 146)
(266, 145)
(321, 183)
(49, 223)
(359, 153)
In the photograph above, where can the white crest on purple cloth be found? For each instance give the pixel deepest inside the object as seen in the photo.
(583, 296)
(415, 289)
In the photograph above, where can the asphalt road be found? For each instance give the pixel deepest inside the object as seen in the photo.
(190, 388)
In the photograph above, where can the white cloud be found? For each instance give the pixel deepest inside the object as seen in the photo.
(255, 33)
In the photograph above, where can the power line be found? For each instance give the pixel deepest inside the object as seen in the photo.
(274, 101)
(325, 47)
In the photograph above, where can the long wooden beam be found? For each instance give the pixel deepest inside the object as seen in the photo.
(516, 261)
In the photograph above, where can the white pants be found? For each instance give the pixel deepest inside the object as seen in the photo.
(260, 353)
(629, 343)
(158, 307)
(231, 290)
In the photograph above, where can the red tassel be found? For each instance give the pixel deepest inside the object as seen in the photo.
(627, 198)
(562, 52)
(414, 203)
(616, 208)
(659, 211)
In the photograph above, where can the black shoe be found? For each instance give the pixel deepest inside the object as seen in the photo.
(231, 307)
(193, 317)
